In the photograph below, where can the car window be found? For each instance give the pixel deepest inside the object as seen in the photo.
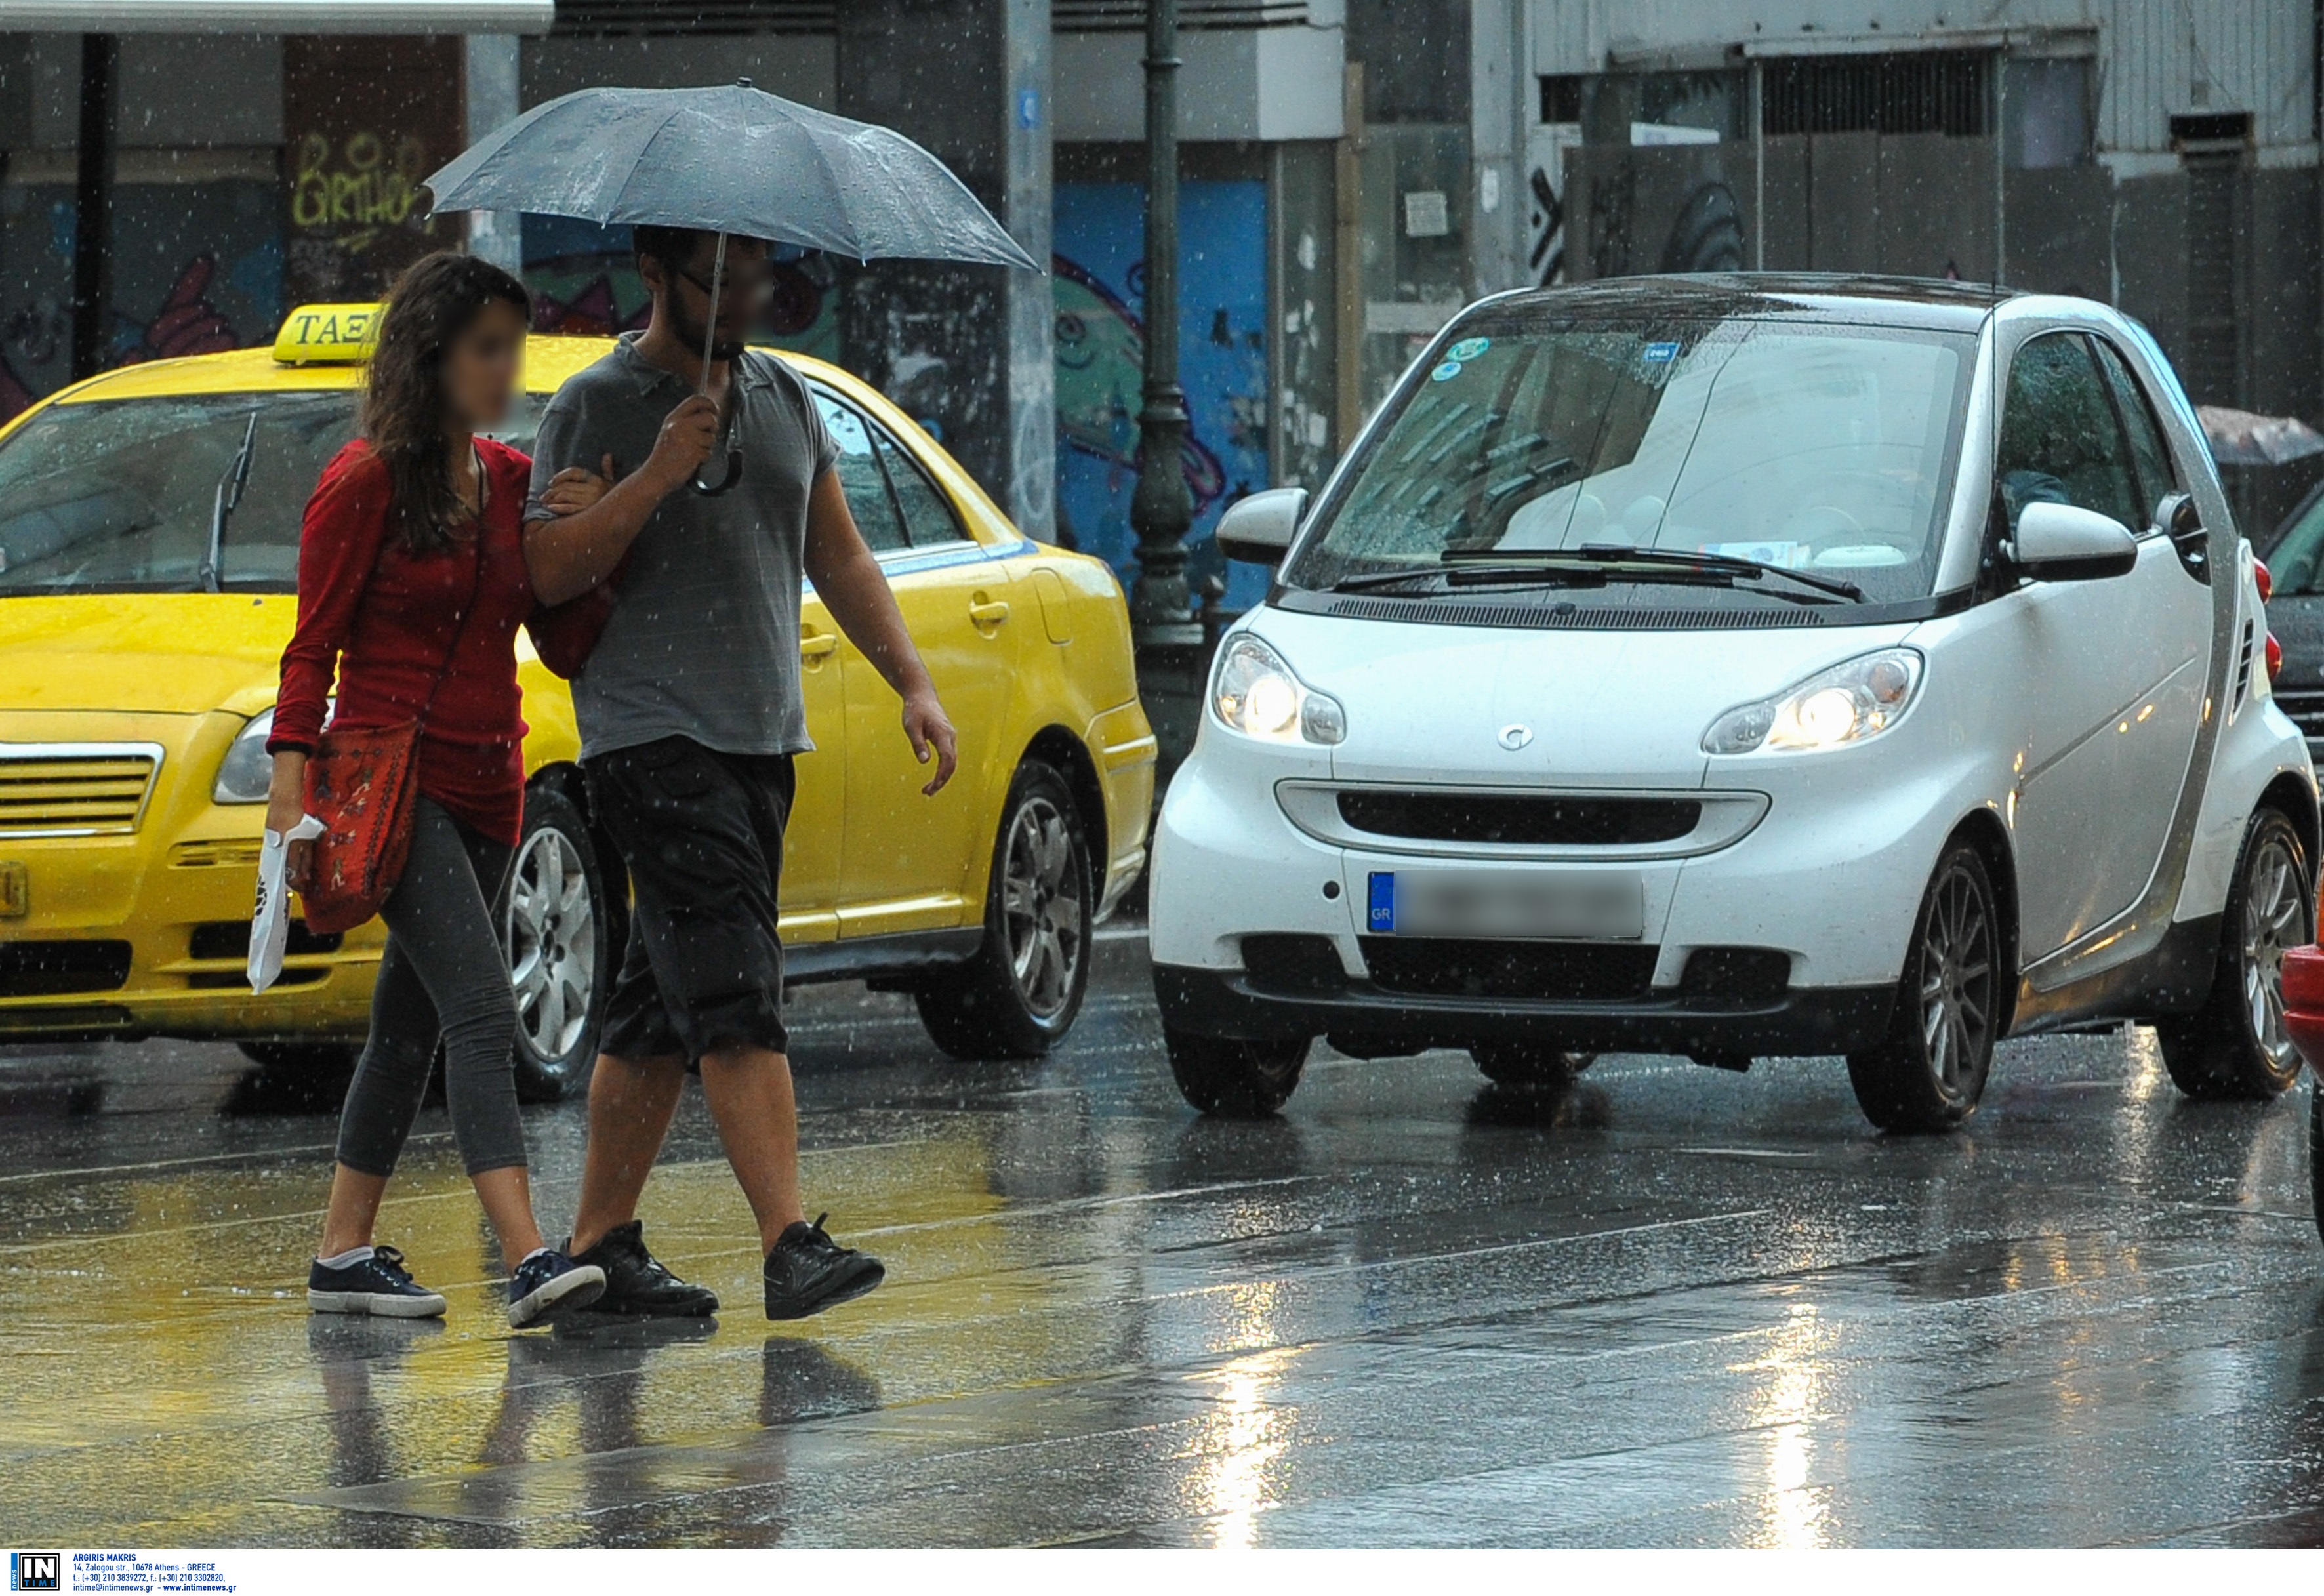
(866, 484)
(1815, 449)
(2060, 440)
(929, 515)
(116, 497)
(2296, 559)
(2149, 452)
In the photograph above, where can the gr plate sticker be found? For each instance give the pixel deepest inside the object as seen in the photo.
(1380, 910)
(1445, 372)
(1661, 354)
(1468, 348)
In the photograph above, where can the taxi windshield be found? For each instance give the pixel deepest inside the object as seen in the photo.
(118, 496)
(1826, 449)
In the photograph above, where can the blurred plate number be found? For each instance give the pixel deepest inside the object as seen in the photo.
(15, 891)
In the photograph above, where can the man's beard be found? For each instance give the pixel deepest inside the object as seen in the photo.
(692, 332)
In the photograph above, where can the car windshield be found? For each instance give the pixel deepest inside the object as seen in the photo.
(1814, 447)
(2296, 560)
(116, 496)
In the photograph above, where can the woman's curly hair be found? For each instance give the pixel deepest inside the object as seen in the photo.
(430, 305)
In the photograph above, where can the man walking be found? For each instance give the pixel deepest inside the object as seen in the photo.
(690, 715)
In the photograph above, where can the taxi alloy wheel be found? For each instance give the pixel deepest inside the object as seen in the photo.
(554, 931)
(1017, 996)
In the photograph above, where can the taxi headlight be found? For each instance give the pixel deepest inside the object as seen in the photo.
(1854, 700)
(1255, 692)
(246, 770)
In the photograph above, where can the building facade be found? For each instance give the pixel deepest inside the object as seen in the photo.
(1353, 171)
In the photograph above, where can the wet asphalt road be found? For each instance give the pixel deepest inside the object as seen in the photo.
(1683, 1307)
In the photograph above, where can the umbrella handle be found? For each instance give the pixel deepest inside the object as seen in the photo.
(709, 343)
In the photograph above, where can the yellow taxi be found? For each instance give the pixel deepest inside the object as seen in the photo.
(143, 607)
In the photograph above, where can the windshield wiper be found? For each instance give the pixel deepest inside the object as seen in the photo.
(1607, 555)
(1505, 575)
(229, 495)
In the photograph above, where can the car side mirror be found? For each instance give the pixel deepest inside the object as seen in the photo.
(1259, 529)
(2066, 543)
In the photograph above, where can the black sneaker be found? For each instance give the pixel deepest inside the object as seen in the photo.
(550, 1283)
(637, 1284)
(379, 1285)
(809, 1272)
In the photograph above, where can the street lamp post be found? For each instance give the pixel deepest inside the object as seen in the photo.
(1169, 639)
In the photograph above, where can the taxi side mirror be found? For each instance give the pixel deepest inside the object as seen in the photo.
(2066, 543)
(1259, 529)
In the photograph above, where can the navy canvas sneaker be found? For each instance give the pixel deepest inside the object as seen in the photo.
(379, 1284)
(809, 1272)
(549, 1283)
(637, 1284)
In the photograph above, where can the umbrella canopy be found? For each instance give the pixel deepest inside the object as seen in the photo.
(2239, 438)
(729, 160)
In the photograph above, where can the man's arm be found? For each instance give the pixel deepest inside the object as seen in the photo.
(571, 554)
(854, 589)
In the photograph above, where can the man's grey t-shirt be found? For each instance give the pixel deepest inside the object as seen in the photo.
(703, 641)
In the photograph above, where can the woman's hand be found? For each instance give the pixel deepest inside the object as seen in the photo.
(286, 806)
(574, 489)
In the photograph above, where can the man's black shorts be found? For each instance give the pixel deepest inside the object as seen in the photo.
(702, 834)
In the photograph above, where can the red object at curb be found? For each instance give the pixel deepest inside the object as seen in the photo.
(2304, 1001)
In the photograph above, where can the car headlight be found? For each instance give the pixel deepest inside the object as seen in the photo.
(1855, 699)
(1255, 692)
(245, 773)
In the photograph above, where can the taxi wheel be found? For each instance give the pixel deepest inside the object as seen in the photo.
(554, 931)
(1017, 996)
(2237, 1046)
(1523, 1066)
(1930, 1071)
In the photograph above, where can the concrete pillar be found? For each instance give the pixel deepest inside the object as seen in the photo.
(970, 350)
(1500, 80)
(490, 84)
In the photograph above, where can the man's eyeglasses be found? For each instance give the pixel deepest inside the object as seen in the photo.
(748, 286)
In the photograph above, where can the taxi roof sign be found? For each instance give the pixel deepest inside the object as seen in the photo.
(328, 335)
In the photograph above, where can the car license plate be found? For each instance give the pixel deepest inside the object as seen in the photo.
(1598, 905)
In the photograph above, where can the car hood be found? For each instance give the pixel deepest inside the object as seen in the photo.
(1430, 703)
(171, 653)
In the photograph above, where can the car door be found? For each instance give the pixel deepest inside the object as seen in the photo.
(907, 858)
(2110, 672)
(813, 838)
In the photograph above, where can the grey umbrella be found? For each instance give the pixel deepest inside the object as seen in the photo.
(729, 160)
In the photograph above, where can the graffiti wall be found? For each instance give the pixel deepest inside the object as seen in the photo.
(1100, 284)
(197, 267)
(365, 121)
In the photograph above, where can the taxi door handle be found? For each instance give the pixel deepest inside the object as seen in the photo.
(814, 645)
(989, 613)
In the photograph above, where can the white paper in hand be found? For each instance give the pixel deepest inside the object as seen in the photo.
(270, 921)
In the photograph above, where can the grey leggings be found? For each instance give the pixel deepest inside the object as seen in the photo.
(443, 975)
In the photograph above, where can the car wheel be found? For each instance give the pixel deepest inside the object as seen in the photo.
(554, 932)
(1235, 1080)
(1929, 1072)
(304, 1058)
(1017, 996)
(2237, 1046)
(1523, 1066)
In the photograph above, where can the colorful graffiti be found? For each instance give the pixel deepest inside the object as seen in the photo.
(1098, 283)
(186, 322)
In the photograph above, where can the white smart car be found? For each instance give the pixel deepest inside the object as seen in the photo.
(1746, 666)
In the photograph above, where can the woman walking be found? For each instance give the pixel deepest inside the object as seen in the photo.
(412, 586)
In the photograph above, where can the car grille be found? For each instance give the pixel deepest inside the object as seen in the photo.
(75, 789)
(1453, 816)
(53, 969)
(230, 939)
(2306, 710)
(1480, 967)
